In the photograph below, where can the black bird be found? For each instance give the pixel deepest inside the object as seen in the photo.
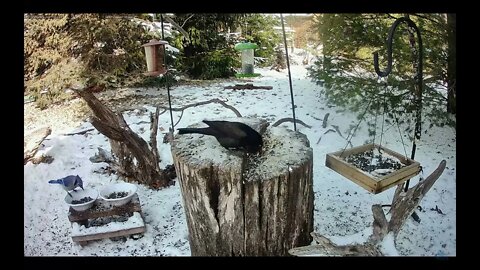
(230, 134)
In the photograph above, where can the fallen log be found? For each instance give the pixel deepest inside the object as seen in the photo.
(248, 86)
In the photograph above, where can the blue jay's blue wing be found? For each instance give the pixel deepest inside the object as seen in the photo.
(69, 182)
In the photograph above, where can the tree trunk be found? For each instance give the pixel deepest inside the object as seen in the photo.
(246, 205)
(452, 63)
(32, 141)
(127, 146)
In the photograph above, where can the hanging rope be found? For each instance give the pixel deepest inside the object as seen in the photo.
(400, 132)
(375, 126)
(350, 135)
(289, 75)
(383, 113)
(166, 78)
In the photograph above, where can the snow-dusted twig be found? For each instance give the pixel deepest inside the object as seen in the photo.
(215, 100)
(324, 124)
(179, 118)
(288, 119)
(316, 118)
(80, 132)
(338, 131)
(187, 19)
(153, 133)
(180, 28)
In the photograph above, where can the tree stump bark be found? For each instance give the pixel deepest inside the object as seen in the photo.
(246, 205)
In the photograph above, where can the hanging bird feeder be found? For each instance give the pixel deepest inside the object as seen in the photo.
(247, 50)
(372, 166)
(155, 56)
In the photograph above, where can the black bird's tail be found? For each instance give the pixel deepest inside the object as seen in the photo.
(206, 131)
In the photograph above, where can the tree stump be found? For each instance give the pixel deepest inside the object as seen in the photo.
(238, 204)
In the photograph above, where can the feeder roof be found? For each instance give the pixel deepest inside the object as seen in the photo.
(155, 42)
(245, 46)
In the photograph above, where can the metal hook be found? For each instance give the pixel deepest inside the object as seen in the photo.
(389, 50)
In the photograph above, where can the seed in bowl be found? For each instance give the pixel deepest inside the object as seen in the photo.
(82, 200)
(117, 195)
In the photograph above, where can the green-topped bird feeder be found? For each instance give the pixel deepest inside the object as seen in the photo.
(247, 50)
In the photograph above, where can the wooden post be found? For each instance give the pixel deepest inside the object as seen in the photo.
(246, 205)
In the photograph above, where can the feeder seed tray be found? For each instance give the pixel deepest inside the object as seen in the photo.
(374, 184)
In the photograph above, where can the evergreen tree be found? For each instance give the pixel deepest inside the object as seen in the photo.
(75, 50)
(259, 29)
(346, 68)
(208, 52)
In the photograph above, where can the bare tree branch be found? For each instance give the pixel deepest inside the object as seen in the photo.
(187, 20)
(289, 119)
(325, 118)
(179, 118)
(437, 23)
(153, 133)
(215, 100)
(180, 28)
(79, 132)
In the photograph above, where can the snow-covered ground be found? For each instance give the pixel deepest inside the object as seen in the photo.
(342, 208)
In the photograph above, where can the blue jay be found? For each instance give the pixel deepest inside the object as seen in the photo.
(69, 183)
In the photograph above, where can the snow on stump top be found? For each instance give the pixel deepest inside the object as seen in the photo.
(239, 204)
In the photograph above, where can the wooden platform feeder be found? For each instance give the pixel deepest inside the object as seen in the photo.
(336, 161)
(246, 205)
(83, 231)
